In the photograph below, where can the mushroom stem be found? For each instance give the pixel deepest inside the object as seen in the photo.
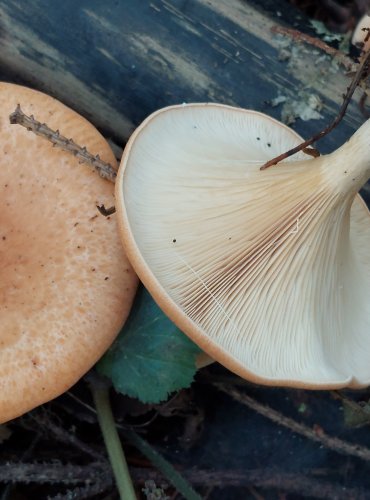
(352, 162)
(111, 438)
(105, 170)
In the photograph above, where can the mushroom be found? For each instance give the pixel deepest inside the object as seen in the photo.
(267, 271)
(66, 286)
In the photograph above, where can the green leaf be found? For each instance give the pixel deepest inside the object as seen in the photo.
(151, 357)
(356, 414)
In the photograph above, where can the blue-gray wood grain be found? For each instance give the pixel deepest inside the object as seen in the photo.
(117, 61)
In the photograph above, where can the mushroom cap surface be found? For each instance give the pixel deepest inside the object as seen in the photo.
(267, 271)
(66, 285)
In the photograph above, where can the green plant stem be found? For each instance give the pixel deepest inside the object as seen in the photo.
(177, 480)
(112, 442)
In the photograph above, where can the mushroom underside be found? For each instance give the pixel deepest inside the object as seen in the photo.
(267, 271)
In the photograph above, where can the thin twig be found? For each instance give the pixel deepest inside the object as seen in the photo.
(305, 483)
(82, 403)
(333, 443)
(25, 455)
(273, 478)
(298, 36)
(45, 422)
(82, 493)
(105, 170)
(361, 73)
(163, 465)
(167, 469)
(46, 473)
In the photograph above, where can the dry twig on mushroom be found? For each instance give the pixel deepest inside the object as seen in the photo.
(268, 271)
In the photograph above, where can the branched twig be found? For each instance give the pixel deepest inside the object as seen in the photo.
(45, 422)
(99, 477)
(321, 437)
(85, 492)
(25, 455)
(298, 36)
(167, 469)
(361, 73)
(46, 473)
(104, 169)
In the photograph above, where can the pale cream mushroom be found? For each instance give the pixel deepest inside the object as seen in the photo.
(66, 286)
(267, 271)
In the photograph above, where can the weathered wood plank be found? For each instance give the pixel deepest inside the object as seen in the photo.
(116, 62)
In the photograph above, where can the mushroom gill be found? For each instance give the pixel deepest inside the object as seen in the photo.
(268, 271)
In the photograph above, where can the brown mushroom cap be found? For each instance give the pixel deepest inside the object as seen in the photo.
(267, 271)
(66, 286)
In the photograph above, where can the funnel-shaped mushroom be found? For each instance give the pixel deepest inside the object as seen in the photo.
(268, 271)
(66, 286)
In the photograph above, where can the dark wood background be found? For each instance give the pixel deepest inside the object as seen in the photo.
(117, 61)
